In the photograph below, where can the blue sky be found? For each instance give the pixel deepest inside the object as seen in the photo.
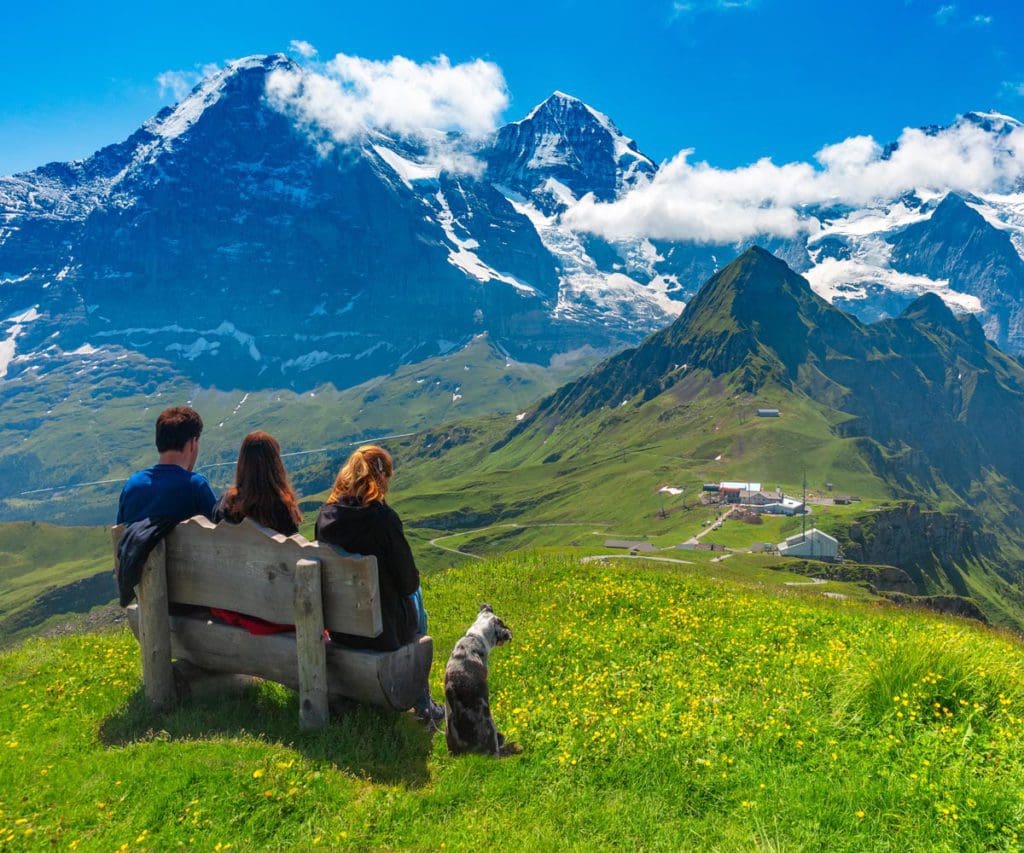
(734, 80)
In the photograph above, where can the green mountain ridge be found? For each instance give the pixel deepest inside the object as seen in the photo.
(919, 408)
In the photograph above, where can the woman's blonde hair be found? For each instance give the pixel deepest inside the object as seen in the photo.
(364, 476)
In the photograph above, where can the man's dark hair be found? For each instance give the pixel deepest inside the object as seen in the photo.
(176, 427)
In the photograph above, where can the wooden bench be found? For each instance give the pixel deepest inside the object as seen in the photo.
(287, 579)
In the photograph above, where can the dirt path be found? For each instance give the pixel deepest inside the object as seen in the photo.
(693, 540)
(596, 557)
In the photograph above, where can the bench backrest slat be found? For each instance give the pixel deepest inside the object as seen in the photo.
(250, 569)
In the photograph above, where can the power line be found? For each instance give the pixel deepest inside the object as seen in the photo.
(73, 486)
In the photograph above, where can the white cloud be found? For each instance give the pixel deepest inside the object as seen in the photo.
(302, 48)
(944, 14)
(341, 100)
(348, 95)
(696, 201)
(982, 20)
(683, 7)
(1013, 87)
(176, 83)
(179, 83)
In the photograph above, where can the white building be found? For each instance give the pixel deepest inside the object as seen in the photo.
(735, 486)
(813, 544)
(785, 506)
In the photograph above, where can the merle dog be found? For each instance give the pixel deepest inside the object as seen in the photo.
(469, 726)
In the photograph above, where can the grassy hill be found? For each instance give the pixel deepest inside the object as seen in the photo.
(69, 427)
(659, 706)
(47, 570)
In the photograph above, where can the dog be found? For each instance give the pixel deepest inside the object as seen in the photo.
(469, 726)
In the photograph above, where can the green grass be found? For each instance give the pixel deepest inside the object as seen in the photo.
(36, 557)
(657, 708)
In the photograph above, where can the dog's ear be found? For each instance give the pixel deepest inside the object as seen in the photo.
(502, 634)
(486, 608)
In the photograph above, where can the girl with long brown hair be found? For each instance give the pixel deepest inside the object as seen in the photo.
(357, 518)
(263, 493)
(261, 490)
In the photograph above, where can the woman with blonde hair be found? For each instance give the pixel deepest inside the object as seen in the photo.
(357, 518)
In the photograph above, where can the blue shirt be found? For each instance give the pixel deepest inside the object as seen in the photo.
(165, 491)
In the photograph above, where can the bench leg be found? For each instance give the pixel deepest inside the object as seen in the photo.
(310, 648)
(155, 632)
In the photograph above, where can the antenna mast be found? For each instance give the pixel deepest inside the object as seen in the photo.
(803, 511)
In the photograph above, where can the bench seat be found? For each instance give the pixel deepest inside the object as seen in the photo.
(284, 579)
(390, 680)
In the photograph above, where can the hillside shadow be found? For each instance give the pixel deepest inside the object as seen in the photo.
(374, 744)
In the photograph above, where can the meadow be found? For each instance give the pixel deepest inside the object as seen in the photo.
(659, 706)
(36, 557)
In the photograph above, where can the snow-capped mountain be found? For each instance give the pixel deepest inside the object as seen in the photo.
(221, 237)
(232, 243)
(563, 143)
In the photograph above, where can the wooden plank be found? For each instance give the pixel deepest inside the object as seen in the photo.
(391, 680)
(250, 569)
(155, 632)
(115, 534)
(309, 644)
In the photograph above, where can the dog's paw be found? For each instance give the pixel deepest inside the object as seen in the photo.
(509, 748)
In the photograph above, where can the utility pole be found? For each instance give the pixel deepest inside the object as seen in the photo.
(803, 511)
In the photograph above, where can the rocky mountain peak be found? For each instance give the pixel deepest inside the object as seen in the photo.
(241, 84)
(993, 122)
(930, 309)
(749, 290)
(565, 140)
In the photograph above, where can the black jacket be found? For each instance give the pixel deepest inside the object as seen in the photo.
(376, 529)
(137, 542)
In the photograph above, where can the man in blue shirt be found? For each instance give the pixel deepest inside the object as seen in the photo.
(170, 489)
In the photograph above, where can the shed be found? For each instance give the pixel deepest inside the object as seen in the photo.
(629, 545)
(767, 413)
(815, 544)
(785, 506)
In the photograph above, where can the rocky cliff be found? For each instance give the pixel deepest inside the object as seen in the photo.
(928, 545)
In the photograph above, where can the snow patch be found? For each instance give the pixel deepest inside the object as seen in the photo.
(849, 279)
(196, 349)
(462, 255)
(8, 344)
(407, 170)
(308, 361)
